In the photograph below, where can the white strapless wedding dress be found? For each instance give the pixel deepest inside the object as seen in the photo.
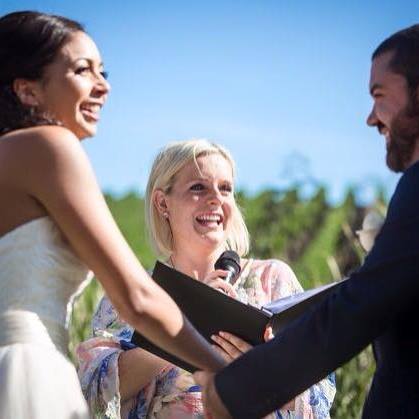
(39, 277)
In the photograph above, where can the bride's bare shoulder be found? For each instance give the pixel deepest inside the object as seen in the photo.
(36, 135)
(37, 149)
(26, 145)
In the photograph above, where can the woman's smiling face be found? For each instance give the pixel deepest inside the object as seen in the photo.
(200, 202)
(73, 88)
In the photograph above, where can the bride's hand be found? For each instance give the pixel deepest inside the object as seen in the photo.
(215, 280)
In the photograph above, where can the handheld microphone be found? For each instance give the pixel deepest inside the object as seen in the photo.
(229, 261)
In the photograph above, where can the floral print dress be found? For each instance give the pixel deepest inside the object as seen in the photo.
(172, 394)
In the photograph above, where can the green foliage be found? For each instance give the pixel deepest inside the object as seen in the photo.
(352, 382)
(316, 239)
(281, 224)
(129, 215)
(317, 264)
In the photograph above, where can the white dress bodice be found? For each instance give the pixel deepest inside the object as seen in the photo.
(39, 278)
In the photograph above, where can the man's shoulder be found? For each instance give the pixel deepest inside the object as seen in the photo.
(411, 174)
(405, 199)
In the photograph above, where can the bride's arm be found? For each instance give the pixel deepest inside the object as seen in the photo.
(58, 174)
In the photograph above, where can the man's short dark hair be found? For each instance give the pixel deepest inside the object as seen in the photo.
(405, 45)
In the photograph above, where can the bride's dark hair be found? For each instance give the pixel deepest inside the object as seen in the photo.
(29, 41)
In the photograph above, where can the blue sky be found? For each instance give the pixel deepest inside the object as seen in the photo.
(282, 84)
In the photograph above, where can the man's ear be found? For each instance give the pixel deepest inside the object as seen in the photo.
(160, 202)
(27, 91)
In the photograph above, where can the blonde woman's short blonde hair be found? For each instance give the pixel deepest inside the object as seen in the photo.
(168, 163)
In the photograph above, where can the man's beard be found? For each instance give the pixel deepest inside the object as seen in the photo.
(404, 133)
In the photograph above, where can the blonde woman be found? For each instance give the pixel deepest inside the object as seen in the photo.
(192, 217)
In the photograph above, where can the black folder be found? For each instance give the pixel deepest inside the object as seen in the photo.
(211, 311)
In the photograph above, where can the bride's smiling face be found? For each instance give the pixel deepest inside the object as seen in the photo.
(200, 203)
(73, 88)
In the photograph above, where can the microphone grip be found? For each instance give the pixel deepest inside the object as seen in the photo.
(229, 277)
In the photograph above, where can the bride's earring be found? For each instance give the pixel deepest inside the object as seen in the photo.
(165, 214)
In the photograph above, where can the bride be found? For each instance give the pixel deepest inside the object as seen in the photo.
(54, 222)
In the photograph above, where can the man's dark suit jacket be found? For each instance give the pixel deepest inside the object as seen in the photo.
(379, 303)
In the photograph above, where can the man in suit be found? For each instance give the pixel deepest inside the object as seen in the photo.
(380, 301)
